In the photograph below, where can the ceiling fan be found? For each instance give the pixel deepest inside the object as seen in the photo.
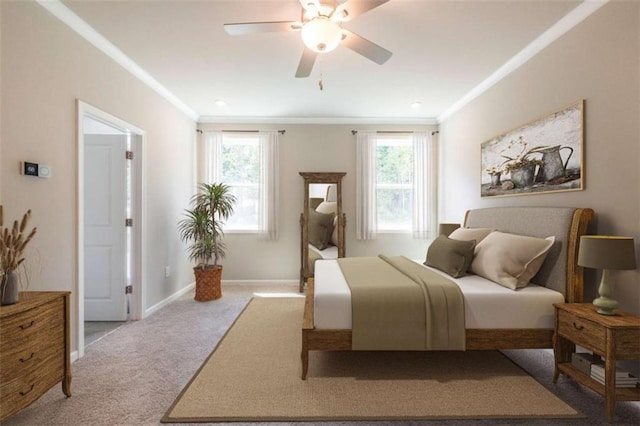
(321, 30)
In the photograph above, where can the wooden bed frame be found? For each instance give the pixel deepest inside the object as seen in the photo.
(476, 339)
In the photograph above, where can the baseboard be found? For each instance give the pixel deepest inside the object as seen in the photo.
(74, 356)
(169, 299)
(261, 282)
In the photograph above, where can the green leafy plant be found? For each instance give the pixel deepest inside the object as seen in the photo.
(203, 224)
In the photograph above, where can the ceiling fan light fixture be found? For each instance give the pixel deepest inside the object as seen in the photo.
(321, 34)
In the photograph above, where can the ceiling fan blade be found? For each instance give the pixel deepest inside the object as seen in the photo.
(306, 63)
(261, 27)
(366, 48)
(352, 8)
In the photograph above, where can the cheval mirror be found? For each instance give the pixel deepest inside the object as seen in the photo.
(322, 221)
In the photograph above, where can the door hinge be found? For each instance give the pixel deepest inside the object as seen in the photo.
(128, 289)
(128, 222)
(129, 155)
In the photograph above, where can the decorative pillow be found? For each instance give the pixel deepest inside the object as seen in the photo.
(450, 256)
(320, 228)
(468, 234)
(510, 260)
(334, 234)
(328, 207)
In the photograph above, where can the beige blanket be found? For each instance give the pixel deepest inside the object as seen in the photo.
(398, 304)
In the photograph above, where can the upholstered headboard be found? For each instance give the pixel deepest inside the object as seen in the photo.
(560, 271)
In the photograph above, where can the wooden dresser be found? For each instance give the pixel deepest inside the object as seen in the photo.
(34, 349)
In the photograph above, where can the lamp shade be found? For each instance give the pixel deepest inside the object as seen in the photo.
(607, 252)
(447, 228)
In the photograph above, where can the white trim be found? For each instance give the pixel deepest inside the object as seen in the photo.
(557, 30)
(295, 283)
(138, 299)
(60, 11)
(73, 356)
(317, 120)
(169, 299)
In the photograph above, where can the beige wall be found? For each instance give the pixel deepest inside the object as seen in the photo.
(597, 61)
(309, 148)
(45, 68)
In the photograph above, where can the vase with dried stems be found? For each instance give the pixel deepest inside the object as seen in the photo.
(13, 242)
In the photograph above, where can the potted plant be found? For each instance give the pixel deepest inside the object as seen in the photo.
(203, 226)
(12, 245)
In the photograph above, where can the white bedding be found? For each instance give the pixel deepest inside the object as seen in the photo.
(331, 252)
(487, 304)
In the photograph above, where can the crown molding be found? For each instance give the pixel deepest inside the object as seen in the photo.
(566, 23)
(557, 30)
(73, 21)
(317, 120)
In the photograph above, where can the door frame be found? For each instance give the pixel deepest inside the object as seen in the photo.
(139, 213)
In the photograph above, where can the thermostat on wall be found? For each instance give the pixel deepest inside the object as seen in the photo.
(34, 169)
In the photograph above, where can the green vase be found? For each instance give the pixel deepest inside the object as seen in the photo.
(9, 289)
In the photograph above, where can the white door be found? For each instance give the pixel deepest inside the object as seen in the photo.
(105, 242)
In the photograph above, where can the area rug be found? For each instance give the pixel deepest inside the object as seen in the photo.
(254, 375)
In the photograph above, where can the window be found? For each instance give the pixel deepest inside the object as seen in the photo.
(394, 182)
(248, 163)
(241, 171)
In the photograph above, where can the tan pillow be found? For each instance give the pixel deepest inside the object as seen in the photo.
(468, 234)
(450, 256)
(510, 260)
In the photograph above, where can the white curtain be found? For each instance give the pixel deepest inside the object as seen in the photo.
(210, 158)
(424, 186)
(269, 183)
(366, 217)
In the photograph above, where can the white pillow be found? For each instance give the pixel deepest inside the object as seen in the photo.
(510, 260)
(469, 234)
(327, 207)
(334, 234)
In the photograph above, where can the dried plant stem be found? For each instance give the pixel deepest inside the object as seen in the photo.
(13, 243)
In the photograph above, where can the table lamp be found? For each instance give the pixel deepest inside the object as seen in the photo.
(447, 228)
(606, 252)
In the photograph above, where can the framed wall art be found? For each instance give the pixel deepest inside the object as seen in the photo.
(545, 155)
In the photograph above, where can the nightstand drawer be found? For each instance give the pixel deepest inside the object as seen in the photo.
(581, 331)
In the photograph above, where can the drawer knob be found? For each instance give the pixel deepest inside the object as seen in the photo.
(24, 327)
(578, 327)
(23, 393)
(27, 359)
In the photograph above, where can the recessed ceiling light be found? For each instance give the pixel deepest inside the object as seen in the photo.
(416, 105)
(220, 102)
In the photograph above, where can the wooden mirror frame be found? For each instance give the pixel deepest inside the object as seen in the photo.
(319, 178)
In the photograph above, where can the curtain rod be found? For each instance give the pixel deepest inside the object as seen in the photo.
(282, 132)
(435, 132)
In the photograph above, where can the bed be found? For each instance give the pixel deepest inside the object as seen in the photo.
(526, 320)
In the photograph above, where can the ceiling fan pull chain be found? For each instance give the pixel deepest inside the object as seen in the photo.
(320, 82)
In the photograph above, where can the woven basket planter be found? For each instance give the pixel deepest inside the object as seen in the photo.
(208, 285)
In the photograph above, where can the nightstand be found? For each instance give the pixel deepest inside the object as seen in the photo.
(612, 337)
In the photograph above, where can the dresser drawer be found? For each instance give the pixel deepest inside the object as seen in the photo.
(22, 391)
(20, 328)
(18, 360)
(581, 331)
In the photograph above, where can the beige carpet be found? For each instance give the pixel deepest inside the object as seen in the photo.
(254, 375)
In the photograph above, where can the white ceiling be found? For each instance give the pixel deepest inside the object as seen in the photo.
(442, 50)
